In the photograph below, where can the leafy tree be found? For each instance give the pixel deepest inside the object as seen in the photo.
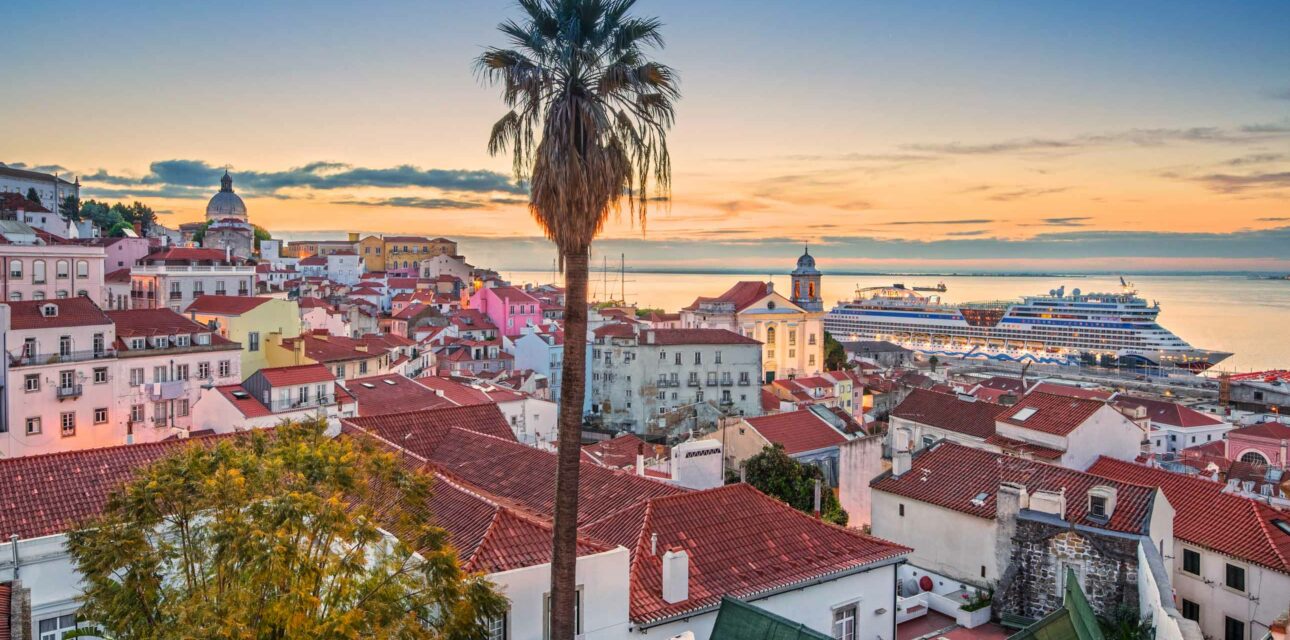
(260, 234)
(775, 473)
(587, 129)
(102, 215)
(835, 355)
(118, 230)
(32, 196)
(71, 208)
(200, 233)
(1124, 623)
(276, 535)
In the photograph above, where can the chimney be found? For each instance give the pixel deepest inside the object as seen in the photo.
(1050, 502)
(138, 229)
(676, 576)
(1009, 500)
(649, 337)
(353, 236)
(1008, 399)
(640, 459)
(817, 499)
(902, 460)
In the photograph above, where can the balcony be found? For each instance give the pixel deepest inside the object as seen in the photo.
(67, 393)
(279, 406)
(727, 382)
(692, 383)
(743, 382)
(159, 421)
(712, 382)
(58, 358)
(176, 295)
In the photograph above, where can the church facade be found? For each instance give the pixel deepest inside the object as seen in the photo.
(228, 225)
(791, 329)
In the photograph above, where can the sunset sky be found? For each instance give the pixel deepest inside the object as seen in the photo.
(889, 135)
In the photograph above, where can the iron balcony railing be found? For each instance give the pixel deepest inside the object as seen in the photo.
(279, 405)
(25, 360)
(73, 391)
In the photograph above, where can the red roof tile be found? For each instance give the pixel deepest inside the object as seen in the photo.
(951, 475)
(429, 426)
(1053, 414)
(798, 431)
(512, 294)
(1272, 430)
(769, 401)
(132, 323)
(224, 305)
(185, 254)
(248, 404)
(393, 393)
(12, 201)
(1002, 383)
(693, 336)
(1072, 391)
(77, 311)
(5, 595)
(299, 374)
(1206, 516)
(741, 295)
(120, 276)
(1170, 413)
(619, 452)
(740, 543)
(949, 412)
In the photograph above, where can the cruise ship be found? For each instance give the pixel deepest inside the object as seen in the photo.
(1079, 329)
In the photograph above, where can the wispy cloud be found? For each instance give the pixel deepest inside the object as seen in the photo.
(960, 234)
(41, 168)
(1069, 221)
(1232, 184)
(1256, 158)
(1274, 219)
(411, 202)
(1019, 194)
(1131, 137)
(1282, 94)
(900, 223)
(178, 175)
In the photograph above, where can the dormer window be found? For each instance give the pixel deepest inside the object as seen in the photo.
(49, 310)
(203, 338)
(160, 342)
(1101, 502)
(183, 340)
(136, 343)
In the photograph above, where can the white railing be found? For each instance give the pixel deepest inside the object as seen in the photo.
(220, 269)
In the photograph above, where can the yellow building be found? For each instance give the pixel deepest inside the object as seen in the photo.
(371, 250)
(256, 322)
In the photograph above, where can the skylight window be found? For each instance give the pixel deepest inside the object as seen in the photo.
(1282, 525)
(369, 385)
(241, 395)
(1024, 414)
(979, 499)
(389, 382)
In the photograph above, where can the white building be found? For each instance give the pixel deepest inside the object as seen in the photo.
(36, 269)
(446, 265)
(50, 188)
(1173, 426)
(642, 376)
(273, 395)
(174, 277)
(542, 352)
(344, 267)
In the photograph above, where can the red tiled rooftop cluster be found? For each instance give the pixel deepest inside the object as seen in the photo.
(798, 431)
(1054, 414)
(949, 412)
(78, 311)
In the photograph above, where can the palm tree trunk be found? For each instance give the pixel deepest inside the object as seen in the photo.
(564, 550)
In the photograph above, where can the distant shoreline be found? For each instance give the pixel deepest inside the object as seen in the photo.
(1257, 275)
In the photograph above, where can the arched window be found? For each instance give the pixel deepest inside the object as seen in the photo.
(38, 272)
(1254, 457)
(15, 269)
(810, 290)
(15, 296)
(39, 295)
(82, 269)
(770, 336)
(62, 269)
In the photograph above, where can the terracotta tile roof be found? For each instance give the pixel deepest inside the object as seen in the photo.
(655, 316)
(132, 323)
(1206, 516)
(120, 276)
(741, 295)
(694, 336)
(224, 305)
(620, 452)
(311, 302)
(52, 493)
(248, 404)
(1053, 414)
(769, 401)
(951, 475)
(798, 431)
(1170, 413)
(1003, 383)
(77, 311)
(313, 261)
(949, 412)
(1023, 448)
(393, 393)
(1070, 390)
(615, 330)
(12, 201)
(5, 594)
(740, 543)
(515, 295)
(429, 426)
(185, 254)
(464, 394)
(330, 349)
(299, 374)
(1273, 430)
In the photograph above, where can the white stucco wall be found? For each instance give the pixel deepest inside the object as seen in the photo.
(1266, 597)
(603, 581)
(926, 529)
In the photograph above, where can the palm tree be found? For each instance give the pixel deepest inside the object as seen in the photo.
(587, 128)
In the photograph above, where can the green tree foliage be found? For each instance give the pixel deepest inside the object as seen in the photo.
(71, 208)
(200, 233)
(260, 234)
(32, 196)
(775, 473)
(1125, 624)
(276, 535)
(933, 362)
(118, 230)
(835, 356)
(101, 214)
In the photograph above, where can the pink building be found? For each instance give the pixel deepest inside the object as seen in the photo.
(1262, 444)
(509, 308)
(40, 267)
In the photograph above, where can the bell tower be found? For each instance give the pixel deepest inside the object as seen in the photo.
(806, 283)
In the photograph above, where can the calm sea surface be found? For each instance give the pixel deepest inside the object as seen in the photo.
(1250, 318)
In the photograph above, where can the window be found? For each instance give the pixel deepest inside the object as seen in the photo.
(792, 338)
(223, 368)
(362, 367)
(16, 296)
(253, 341)
(182, 340)
(810, 339)
(725, 396)
(1233, 629)
(902, 510)
(136, 413)
(100, 415)
(677, 359)
(160, 374)
(810, 360)
(1235, 578)
(15, 270)
(33, 426)
(67, 420)
(62, 270)
(136, 376)
(62, 294)
(577, 613)
(844, 623)
(718, 356)
(698, 357)
(203, 370)
(770, 337)
(181, 407)
(1191, 562)
(98, 344)
(928, 441)
(57, 628)
(1097, 506)
(64, 346)
(159, 413)
(31, 382)
(181, 372)
(39, 295)
(497, 628)
(82, 269)
(1191, 610)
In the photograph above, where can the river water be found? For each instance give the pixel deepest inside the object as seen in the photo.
(1249, 318)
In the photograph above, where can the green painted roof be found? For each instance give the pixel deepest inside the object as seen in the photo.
(738, 620)
(1074, 621)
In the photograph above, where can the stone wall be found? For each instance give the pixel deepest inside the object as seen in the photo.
(1041, 552)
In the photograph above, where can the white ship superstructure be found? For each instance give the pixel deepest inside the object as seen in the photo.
(1100, 329)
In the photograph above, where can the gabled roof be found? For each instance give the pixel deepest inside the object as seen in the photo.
(464, 394)
(512, 294)
(77, 311)
(1206, 516)
(186, 254)
(951, 476)
(618, 452)
(299, 374)
(131, 323)
(1071, 390)
(225, 305)
(798, 431)
(740, 543)
(1273, 430)
(615, 330)
(393, 393)
(949, 412)
(1048, 413)
(738, 620)
(244, 401)
(119, 276)
(741, 295)
(10, 201)
(312, 302)
(429, 426)
(1169, 413)
(1002, 383)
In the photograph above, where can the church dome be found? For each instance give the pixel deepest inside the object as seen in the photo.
(805, 264)
(226, 204)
